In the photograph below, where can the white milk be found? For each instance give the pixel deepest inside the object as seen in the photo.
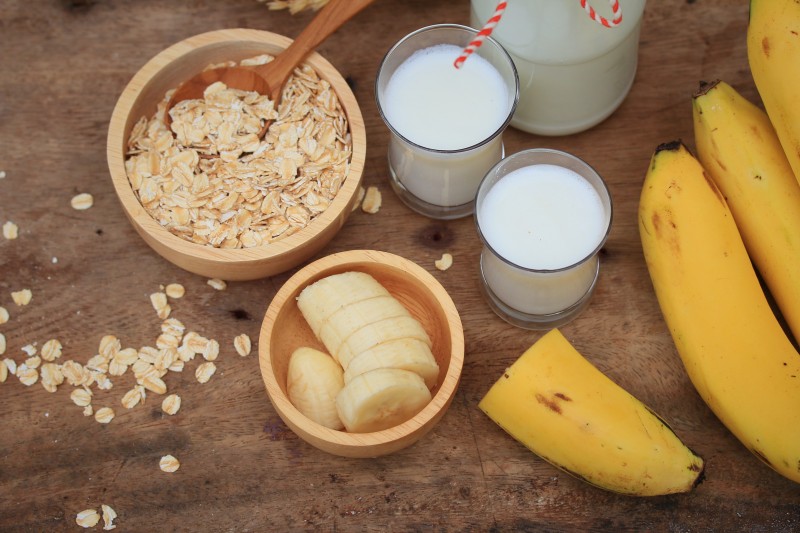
(446, 123)
(543, 217)
(573, 72)
(435, 105)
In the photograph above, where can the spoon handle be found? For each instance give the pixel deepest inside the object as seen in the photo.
(327, 21)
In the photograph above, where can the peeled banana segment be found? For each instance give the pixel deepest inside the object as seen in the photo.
(320, 300)
(313, 381)
(349, 319)
(381, 399)
(377, 333)
(406, 354)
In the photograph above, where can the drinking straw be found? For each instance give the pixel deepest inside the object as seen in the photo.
(481, 35)
(616, 11)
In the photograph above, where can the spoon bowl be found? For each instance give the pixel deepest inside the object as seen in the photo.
(268, 79)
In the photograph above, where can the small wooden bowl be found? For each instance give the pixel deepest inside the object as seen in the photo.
(140, 98)
(284, 329)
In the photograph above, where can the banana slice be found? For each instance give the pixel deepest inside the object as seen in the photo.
(381, 399)
(314, 380)
(379, 332)
(349, 319)
(407, 354)
(323, 298)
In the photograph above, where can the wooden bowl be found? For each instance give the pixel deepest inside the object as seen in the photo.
(284, 329)
(140, 98)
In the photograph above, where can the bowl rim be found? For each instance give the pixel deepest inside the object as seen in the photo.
(158, 66)
(340, 438)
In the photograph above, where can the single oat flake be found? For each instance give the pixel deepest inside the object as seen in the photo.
(109, 515)
(217, 284)
(104, 415)
(3, 372)
(171, 404)
(51, 350)
(10, 230)
(175, 290)
(22, 297)
(445, 262)
(81, 397)
(87, 518)
(82, 201)
(168, 463)
(242, 344)
(204, 371)
(372, 200)
(4, 316)
(3, 345)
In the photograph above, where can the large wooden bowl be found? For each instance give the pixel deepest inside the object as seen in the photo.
(140, 98)
(284, 329)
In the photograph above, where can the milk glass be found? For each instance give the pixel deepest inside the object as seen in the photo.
(541, 298)
(436, 182)
(573, 72)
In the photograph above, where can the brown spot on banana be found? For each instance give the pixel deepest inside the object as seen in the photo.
(765, 46)
(553, 403)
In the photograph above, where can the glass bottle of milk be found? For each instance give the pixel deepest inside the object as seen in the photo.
(573, 72)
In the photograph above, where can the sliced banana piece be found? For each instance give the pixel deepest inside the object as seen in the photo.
(323, 298)
(406, 354)
(381, 399)
(314, 380)
(351, 318)
(379, 332)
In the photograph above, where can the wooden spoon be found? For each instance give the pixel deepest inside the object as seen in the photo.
(269, 79)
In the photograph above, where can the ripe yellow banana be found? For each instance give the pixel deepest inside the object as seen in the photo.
(773, 50)
(407, 354)
(737, 145)
(732, 346)
(381, 399)
(313, 381)
(565, 410)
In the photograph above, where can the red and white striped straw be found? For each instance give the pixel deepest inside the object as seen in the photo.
(481, 35)
(616, 13)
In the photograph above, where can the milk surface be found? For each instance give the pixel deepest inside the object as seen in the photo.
(543, 217)
(433, 104)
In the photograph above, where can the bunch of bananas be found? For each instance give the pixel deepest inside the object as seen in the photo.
(705, 221)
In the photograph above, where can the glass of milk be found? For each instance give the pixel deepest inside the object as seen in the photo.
(446, 124)
(573, 72)
(542, 216)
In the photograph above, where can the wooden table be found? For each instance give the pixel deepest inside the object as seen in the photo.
(63, 63)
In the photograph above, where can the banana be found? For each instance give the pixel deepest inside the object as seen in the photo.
(381, 399)
(313, 381)
(773, 49)
(349, 319)
(732, 346)
(379, 332)
(737, 145)
(407, 354)
(323, 298)
(565, 410)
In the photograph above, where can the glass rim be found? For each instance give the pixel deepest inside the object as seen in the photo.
(489, 138)
(492, 171)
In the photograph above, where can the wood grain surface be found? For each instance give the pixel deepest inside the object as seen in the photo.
(63, 64)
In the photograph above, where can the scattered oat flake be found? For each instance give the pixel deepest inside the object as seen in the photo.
(29, 349)
(82, 201)
(104, 415)
(81, 397)
(22, 297)
(159, 301)
(3, 372)
(211, 350)
(10, 230)
(3, 346)
(171, 404)
(168, 463)
(33, 362)
(204, 371)
(175, 290)
(155, 384)
(88, 410)
(27, 376)
(372, 200)
(217, 283)
(87, 518)
(2, 174)
(445, 262)
(359, 197)
(132, 398)
(10, 364)
(51, 350)
(242, 344)
(4, 316)
(109, 515)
